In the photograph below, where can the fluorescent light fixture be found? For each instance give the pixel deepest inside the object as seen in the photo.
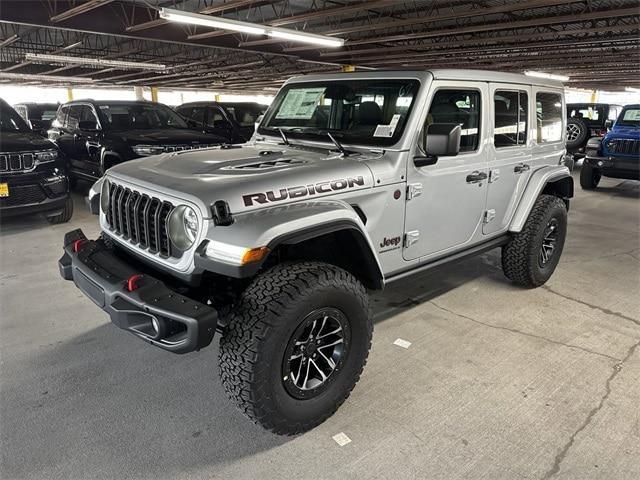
(44, 78)
(93, 62)
(247, 27)
(549, 76)
(632, 89)
(305, 37)
(208, 21)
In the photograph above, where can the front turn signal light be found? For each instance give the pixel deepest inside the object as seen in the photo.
(254, 255)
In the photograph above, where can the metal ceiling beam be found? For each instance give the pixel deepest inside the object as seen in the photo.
(491, 27)
(79, 10)
(518, 38)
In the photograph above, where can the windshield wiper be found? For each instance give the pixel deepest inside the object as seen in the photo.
(284, 137)
(341, 149)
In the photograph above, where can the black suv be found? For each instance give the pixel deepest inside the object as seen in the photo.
(586, 120)
(234, 121)
(37, 115)
(95, 135)
(32, 177)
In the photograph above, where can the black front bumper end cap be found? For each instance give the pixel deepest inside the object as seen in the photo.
(185, 325)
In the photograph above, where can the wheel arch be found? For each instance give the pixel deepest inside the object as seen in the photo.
(552, 180)
(327, 231)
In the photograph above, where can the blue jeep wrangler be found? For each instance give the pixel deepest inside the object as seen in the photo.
(615, 155)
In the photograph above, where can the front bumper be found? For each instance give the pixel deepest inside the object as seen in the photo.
(627, 167)
(152, 311)
(34, 193)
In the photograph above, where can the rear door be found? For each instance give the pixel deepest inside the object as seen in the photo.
(510, 153)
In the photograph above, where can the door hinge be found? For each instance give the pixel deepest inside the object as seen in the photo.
(414, 190)
(489, 215)
(494, 175)
(411, 237)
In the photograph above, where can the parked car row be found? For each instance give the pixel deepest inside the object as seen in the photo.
(46, 148)
(84, 138)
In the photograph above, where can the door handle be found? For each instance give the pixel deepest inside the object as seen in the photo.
(521, 168)
(476, 177)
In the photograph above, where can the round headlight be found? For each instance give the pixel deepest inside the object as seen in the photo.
(183, 227)
(104, 196)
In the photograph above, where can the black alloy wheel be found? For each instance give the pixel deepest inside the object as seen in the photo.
(316, 350)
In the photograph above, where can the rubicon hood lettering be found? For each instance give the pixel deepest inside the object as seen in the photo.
(302, 190)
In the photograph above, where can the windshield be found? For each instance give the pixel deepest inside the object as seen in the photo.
(10, 121)
(366, 112)
(630, 116)
(136, 116)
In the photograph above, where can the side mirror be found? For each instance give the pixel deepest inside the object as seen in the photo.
(608, 124)
(440, 139)
(87, 125)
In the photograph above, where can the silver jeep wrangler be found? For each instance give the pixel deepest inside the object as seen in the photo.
(351, 181)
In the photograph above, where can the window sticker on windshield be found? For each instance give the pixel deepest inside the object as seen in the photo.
(299, 104)
(632, 115)
(387, 130)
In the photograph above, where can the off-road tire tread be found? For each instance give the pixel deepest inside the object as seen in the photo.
(518, 259)
(266, 300)
(65, 215)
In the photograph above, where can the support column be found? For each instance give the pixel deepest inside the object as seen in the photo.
(69, 94)
(139, 93)
(154, 94)
(594, 96)
(216, 97)
(348, 68)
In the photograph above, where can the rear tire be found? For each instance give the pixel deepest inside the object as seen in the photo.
(65, 215)
(262, 347)
(589, 177)
(531, 256)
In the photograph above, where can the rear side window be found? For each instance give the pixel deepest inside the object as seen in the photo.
(22, 111)
(510, 123)
(549, 117)
(73, 118)
(461, 107)
(195, 114)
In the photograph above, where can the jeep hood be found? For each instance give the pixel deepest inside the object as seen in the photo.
(248, 177)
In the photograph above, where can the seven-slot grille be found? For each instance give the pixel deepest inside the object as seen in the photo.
(13, 162)
(140, 218)
(180, 148)
(624, 146)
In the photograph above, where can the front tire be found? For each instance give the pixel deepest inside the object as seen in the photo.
(65, 215)
(531, 256)
(295, 345)
(589, 177)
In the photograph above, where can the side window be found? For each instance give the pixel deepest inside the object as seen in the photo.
(60, 117)
(73, 118)
(549, 117)
(216, 119)
(22, 111)
(195, 114)
(510, 123)
(87, 115)
(461, 107)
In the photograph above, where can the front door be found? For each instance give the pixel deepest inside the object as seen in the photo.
(448, 198)
(509, 153)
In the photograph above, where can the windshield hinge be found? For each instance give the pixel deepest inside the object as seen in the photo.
(411, 237)
(414, 190)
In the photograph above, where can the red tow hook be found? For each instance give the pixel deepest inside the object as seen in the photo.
(132, 282)
(77, 245)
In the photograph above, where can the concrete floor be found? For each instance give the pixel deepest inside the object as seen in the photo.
(498, 383)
